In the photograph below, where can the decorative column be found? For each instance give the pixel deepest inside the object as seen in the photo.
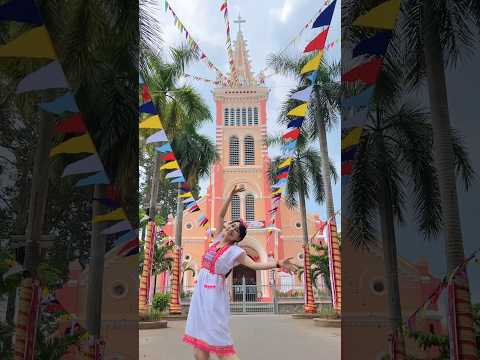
(175, 306)
(335, 265)
(147, 268)
(309, 306)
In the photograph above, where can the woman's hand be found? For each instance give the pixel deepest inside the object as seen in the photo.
(287, 265)
(237, 189)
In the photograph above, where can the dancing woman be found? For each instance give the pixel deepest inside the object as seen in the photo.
(207, 328)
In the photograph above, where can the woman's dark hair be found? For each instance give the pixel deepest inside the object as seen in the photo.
(242, 229)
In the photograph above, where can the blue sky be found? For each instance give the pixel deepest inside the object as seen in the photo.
(270, 26)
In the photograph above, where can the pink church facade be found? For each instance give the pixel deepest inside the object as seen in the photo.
(241, 130)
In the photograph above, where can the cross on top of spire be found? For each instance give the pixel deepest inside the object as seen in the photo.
(239, 21)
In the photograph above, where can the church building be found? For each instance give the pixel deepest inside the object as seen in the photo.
(241, 130)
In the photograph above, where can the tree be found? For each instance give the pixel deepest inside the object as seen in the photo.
(305, 176)
(323, 107)
(441, 34)
(394, 158)
(182, 111)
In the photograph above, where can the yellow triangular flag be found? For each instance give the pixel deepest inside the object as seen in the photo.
(117, 214)
(76, 145)
(170, 165)
(35, 43)
(276, 192)
(382, 16)
(352, 138)
(186, 195)
(313, 64)
(300, 110)
(285, 163)
(153, 122)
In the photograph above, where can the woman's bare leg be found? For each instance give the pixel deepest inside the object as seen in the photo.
(200, 354)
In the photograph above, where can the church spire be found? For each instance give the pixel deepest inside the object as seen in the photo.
(241, 59)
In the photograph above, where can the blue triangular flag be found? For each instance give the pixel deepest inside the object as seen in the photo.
(303, 95)
(62, 104)
(118, 227)
(174, 174)
(165, 148)
(189, 200)
(375, 45)
(140, 79)
(148, 108)
(86, 165)
(296, 123)
(360, 100)
(325, 17)
(157, 137)
(345, 180)
(126, 237)
(98, 178)
(358, 119)
(312, 77)
(290, 145)
(178, 180)
(50, 76)
(349, 153)
(24, 11)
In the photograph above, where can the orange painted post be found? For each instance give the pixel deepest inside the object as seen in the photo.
(147, 268)
(309, 306)
(175, 306)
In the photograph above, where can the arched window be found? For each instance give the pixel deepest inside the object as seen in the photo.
(237, 117)
(249, 148)
(234, 151)
(235, 207)
(255, 115)
(250, 117)
(249, 207)
(232, 117)
(226, 115)
(244, 117)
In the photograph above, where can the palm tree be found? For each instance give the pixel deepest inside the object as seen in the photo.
(321, 117)
(182, 111)
(394, 158)
(440, 34)
(323, 107)
(305, 176)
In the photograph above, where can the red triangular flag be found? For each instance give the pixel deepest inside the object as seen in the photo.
(367, 72)
(292, 134)
(146, 94)
(282, 176)
(169, 157)
(318, 43)
(223, 7)
(74, 124)
(347, 168)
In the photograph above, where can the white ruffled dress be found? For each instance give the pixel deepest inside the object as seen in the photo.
(208, 319)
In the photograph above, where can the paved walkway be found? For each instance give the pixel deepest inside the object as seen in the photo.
(257, 337)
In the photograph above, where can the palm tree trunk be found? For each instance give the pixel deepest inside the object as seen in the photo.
(335, 258)
(175, 306)
(390, 260)
(96, 268)
(444, 160)
(309, 306)
(147, 269)
(154, 187)
(33, 233)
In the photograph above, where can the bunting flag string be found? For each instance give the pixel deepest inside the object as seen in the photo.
(193, 44)
(300, 33)
(323, 19)
(224, 9)
(36, 43)
(198, 78)
(170, 165)
(368, 55)
(446, 283)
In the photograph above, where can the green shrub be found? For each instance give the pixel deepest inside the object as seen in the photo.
(160, 301)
